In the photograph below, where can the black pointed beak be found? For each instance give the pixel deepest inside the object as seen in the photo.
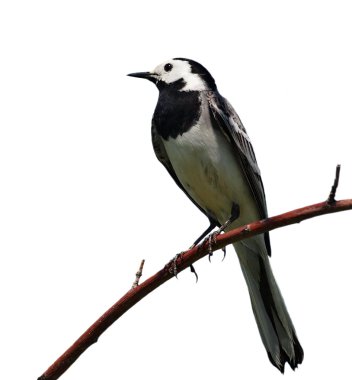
(145, 75)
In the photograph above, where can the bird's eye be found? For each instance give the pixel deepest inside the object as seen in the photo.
(168, 67)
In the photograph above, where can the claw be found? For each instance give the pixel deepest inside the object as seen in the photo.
(194, 271)
(224, 251)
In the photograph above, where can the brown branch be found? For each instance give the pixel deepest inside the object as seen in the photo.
(183, 261)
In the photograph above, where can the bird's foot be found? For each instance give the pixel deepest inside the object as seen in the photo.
(191, 267)
(172, 266)
(211, 240)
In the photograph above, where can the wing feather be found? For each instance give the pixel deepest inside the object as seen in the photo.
(229, 122)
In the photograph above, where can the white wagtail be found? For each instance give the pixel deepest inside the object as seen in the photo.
(201, 141)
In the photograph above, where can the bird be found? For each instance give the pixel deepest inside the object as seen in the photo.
(202, 143)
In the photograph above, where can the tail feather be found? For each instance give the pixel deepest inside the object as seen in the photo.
(274, 323)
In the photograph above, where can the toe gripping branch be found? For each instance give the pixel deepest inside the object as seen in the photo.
(211, 240)
(172, 265)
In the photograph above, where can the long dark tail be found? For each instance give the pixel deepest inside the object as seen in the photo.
(275, 326)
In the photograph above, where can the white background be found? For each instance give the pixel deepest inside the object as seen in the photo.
(83, 199)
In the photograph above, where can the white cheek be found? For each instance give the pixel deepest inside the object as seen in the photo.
(194, 83)
(173, 76)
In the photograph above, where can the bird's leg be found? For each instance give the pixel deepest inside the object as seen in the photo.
(212, 225)
(235, 213)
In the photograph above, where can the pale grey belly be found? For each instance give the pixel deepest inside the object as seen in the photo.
(206, 165)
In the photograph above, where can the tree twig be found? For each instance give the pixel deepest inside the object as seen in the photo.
(331, 198)
(138, 275)
(183, 261)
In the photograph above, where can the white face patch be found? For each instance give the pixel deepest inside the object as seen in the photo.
(180, 70)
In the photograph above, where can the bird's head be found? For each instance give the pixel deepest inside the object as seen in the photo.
(179, 74)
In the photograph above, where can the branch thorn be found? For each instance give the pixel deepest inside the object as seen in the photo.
(138, 275)
(331, 200)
